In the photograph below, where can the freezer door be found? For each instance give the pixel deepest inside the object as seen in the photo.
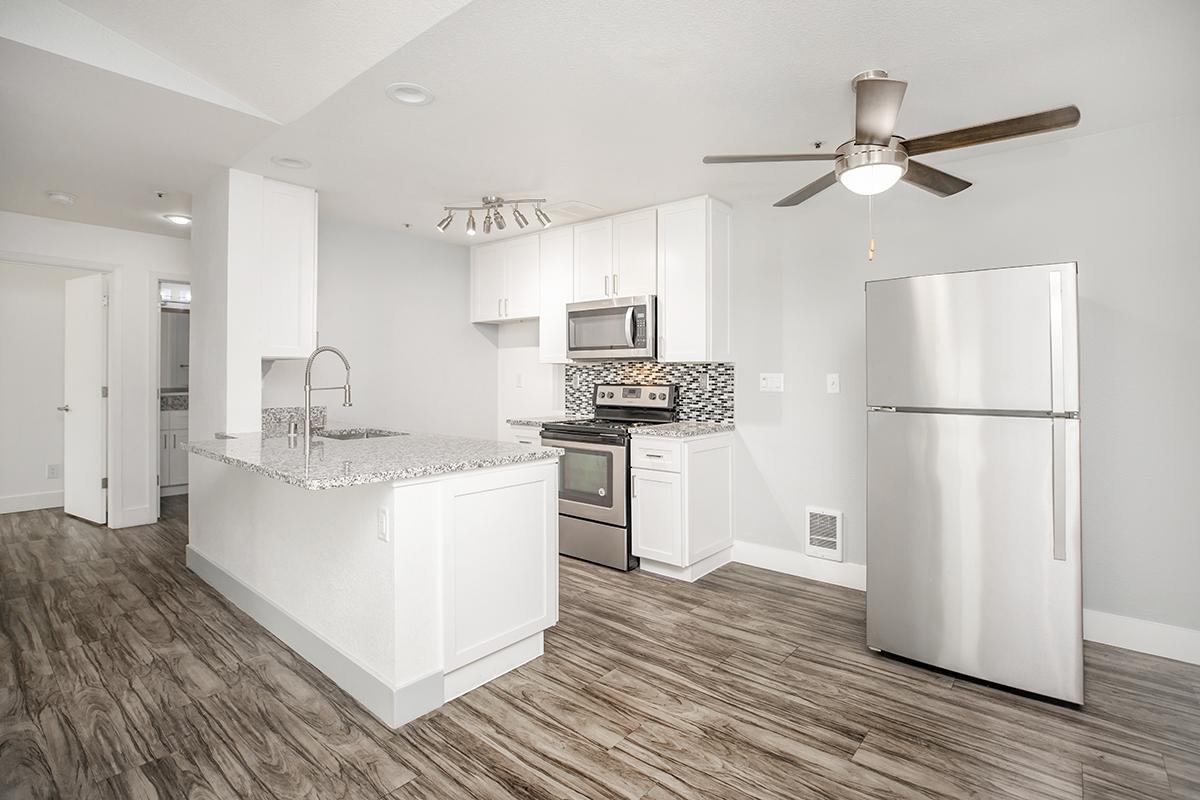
(1001, 339)
(973, 547)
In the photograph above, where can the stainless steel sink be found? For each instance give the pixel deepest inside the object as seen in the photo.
(357, 433)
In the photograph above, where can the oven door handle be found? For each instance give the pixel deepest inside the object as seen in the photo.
(607, 442)
(630, 327)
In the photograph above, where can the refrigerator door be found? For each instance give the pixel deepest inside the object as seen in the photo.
(973, 546)
(996, 340)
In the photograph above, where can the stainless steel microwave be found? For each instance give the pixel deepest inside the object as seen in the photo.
(619, 327)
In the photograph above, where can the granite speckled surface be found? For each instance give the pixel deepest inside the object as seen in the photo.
(332, 463)
(683, 430)
(536, 422)
(275, 419)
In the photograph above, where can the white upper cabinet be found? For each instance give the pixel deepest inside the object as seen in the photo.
(558, 283)
(635, 253)
(505, 280)
(594, 260)
(693, 280)
(289, 270)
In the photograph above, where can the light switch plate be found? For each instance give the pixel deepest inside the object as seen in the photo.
(770, 381)
(384, 531)
(833, 383)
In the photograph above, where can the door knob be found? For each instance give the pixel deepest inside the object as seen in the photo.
(64, 408)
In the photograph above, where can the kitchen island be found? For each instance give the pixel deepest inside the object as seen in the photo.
(409, 568)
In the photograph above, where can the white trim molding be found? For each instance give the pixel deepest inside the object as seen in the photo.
(1155, 638)
(794, 562)
(30, 502)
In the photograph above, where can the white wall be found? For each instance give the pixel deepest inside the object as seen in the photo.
(133, 258)
(525, 386)
(31, 357)
(398, 306)
(799, 310)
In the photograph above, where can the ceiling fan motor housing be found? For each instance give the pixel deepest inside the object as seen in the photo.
(852, 155)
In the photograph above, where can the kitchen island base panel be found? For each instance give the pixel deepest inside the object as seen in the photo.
(690, 573)
(395, 591)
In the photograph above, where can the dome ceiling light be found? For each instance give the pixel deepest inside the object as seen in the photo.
(492, 205)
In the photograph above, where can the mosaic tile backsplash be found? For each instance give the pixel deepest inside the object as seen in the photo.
(173, 402)
(275, 420)
(714, 404)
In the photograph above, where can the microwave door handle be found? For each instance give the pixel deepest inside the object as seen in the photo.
(630, 326)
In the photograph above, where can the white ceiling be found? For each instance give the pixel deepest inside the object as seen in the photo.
(615, 103)
(281, 56)
(610, 103)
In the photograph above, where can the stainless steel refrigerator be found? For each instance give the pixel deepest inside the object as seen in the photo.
(973, 509)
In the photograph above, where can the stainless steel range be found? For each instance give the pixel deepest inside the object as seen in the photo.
(593, 476)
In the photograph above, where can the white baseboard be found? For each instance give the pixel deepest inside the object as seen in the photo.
(793, 562)
(393, 706)
(492, 666)
(13, 503)
(1155, 638)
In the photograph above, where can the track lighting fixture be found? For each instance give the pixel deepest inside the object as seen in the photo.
(492, 205)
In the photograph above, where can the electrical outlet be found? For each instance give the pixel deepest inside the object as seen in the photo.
(577, 381)
(770, 381)
(384, 531)
(53, 471)
(520, 381)
(833, 383)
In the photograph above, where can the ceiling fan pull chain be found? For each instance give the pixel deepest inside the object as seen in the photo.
(870, 230)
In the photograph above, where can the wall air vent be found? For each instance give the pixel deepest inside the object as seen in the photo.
(824, 535)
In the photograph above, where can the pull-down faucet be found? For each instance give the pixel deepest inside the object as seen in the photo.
(309, 389)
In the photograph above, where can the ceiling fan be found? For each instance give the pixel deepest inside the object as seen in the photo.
(875, 159)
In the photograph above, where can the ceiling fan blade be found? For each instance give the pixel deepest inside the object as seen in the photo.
(876, 108)
(800, 195)
(1057, 119)
(780, 157)
(933, 180)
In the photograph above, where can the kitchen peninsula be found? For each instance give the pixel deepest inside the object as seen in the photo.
(409, 568)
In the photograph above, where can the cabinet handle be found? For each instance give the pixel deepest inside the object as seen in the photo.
(615, 292)
(164, 441)
(653, 455)
(633, 485)
(606, 292)
(174, 441)
(499, 307)
(506, 306)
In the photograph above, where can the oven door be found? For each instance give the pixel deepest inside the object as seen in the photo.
(592, 478)
(620, 327)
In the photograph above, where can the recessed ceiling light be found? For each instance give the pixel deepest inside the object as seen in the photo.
(410, 94)
(290, 163)
(178, 219)
(61, 198)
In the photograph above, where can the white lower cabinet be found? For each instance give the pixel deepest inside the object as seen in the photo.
(172, 457)
(681, 515)
(525, 434)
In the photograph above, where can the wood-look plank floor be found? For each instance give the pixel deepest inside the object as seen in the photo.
(122, 675)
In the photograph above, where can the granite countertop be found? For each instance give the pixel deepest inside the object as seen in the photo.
(332, 463)
(537, 422)
(683, 430)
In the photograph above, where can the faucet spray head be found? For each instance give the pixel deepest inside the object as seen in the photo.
(346, 400)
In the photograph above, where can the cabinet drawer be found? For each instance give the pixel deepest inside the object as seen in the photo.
(526, 435)
(651, 453)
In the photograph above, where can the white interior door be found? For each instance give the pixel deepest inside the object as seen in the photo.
(85, 493)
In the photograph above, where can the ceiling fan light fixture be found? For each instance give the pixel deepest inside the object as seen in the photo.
(870, 171)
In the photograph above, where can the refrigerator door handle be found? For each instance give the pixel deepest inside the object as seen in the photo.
(1065, 506)
(1057, 376)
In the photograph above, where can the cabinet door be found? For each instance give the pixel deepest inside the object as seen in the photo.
(487, 282)
(656, 518)
(522, 295)
(635, 253)
(288, 305)
(683, 302)
(557, 286)
(593, 260)
(178, 457)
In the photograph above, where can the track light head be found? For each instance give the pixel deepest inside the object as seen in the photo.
(470, 223)
(445, 223)
(499, 219)
(519, 217)
(487, 222)
(541, 216)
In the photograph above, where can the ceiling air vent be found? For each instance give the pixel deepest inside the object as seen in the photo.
(824, 536)
(573, 210)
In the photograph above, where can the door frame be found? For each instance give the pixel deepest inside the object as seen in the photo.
(154, 365)
(112, 456)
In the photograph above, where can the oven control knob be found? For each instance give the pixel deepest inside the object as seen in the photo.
(653, 396)
(610, 394)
